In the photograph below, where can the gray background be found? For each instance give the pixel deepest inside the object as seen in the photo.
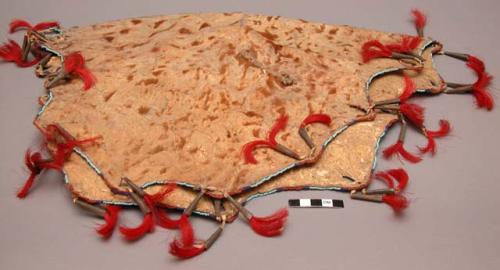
(453, 222)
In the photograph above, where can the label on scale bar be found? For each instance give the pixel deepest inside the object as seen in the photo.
(316, 203)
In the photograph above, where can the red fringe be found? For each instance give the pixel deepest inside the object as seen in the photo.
(110, 219)
(12, 52)
(132, 234)
(161, 217)
(249, 147)
(185, 247)
(35, 164)
(278, 126)
(409, 89)
(430, 147)
(17, 24)
(407, 44)
(414, 112)
(483, 98)
(397, 202)
(386, 178)
(444, 129)
(186, 229)
(74, 63)
(374, 49)
(316, 118)
(398, 149)
(401, 176)
(419, 19)
(185, 252)
(271, 225)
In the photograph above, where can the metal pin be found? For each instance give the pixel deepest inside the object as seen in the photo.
(460, 56)
(98, 211)
(135, 188)
(305, 136)
(410, 56)
(26, 48)
(45, 60)
(217, 207)
(140, 202)
(215, 235)
(367, 197)
(387, 102)
(61, 75)
(460, 89)
(286, 151)
(246, 214)
(379, 191)
(193, 204)
(402, 131)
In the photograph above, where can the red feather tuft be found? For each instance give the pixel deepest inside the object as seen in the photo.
(475, 64)
(384, 176)
(419, 19)
(161, 217)
(21, 194)
(278, 126)
(17, 24)
(414, 112)
(401, 176)
(316, 118)
(409, 89)
(397, 202)
(407, 44)
(185, 252)
(271, 225)
(186, 229)
(444, 129)
(35, 164)
(12, 52)
(249, 147)
(110, 219)
(399, 149)
(374, 49)
(483, 97)
(74, 63)
(132, 234)
(185, 247)
(430, 147)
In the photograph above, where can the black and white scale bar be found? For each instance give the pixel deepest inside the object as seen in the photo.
(319, 203)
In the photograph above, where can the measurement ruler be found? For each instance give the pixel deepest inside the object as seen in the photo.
(316, 203)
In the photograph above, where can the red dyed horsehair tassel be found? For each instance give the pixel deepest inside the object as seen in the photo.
(269, 226)
(398, 148)
(409, 89)
(74, 63)
(316, 118)
(12, 52)
(132, 234)
(414, 113)
(419, 20)
(483, 97)
(36, 164)
(110, 219)
(16, 25)
(391, 196)
(375, 49)
(444, 129)
(271, 142)
(186, 247)
(161, 218)
(479, 88)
